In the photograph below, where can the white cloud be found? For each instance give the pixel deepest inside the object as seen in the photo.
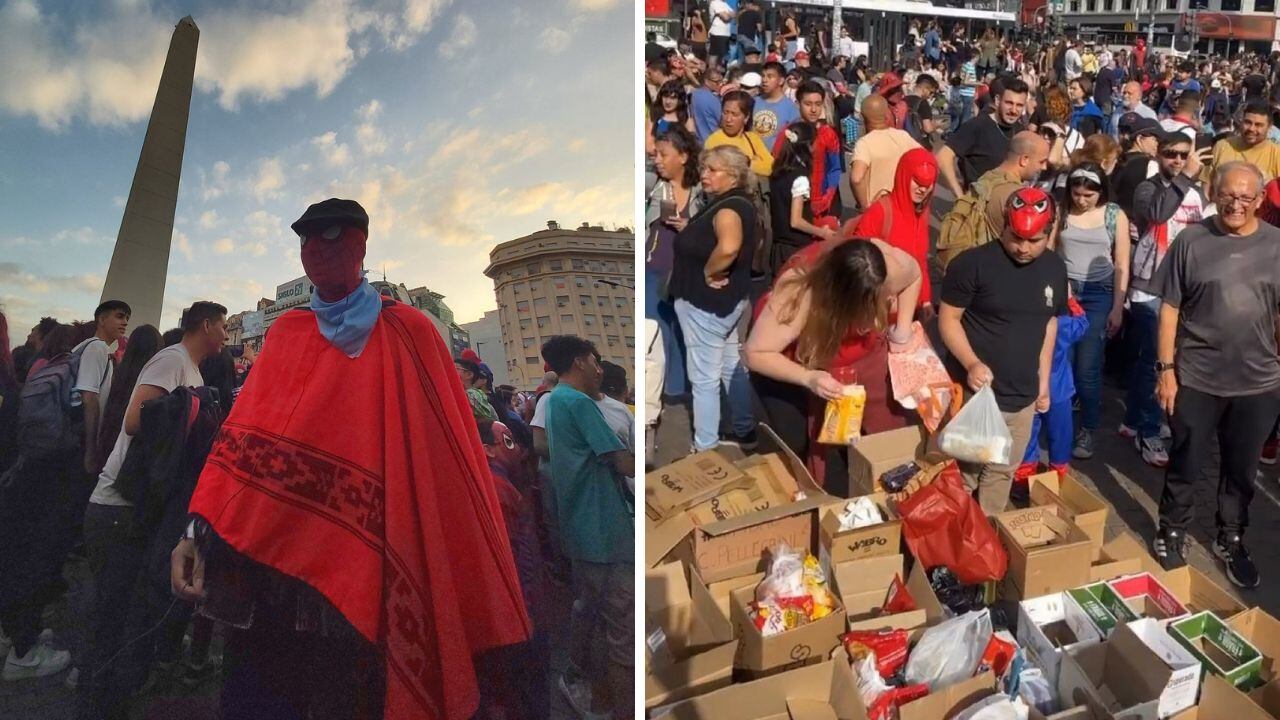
(209, 220)
(460, 38)
(370, 110)
(224, 246)
(554, 40)
(335, 153)
(269, 180)
(118, 201)
(530, 199)
(216, 183)
(371, 139)
(595, 5)
(183, 243)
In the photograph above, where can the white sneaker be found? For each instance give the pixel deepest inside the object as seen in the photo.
(40, 660)
(1153, 451)
(1166, 432)
(1126, 432)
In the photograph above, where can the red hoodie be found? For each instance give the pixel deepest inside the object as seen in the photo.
(894, 218)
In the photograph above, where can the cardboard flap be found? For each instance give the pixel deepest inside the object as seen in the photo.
(663, 537)
(869, 577)
(664, 586)
(712, 627)
(1038, 527)
(687, 481)
(1218, 699)
(768, 697)
(699, 674)
(1195, 590)
(1263, 630)
(802, 709)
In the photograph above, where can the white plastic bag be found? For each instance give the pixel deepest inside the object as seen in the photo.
(859, 513)
(995, 707)
(978, 434)
(949, 652)
(785, 577)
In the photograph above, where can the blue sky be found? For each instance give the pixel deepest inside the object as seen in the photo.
(457, 125)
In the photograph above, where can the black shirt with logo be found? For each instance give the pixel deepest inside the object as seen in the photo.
(980, 144)
(1006, 309)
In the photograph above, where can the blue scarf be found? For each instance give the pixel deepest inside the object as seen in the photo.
(347, 323)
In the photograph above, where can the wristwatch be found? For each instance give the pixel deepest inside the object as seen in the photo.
(1162, 366)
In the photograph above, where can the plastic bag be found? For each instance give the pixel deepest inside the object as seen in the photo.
(870, 684)
(1037, 691)
(843, 421)
(860, 512)
(793, 593)
(888, 648)
(978, 434)
(995, 707)
(944, 525)
(999, 654)
(949, 652)
(919, 380)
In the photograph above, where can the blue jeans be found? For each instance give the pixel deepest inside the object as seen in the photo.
(1087, 355)
(1141, 409)
(714, 361)
(675, 380)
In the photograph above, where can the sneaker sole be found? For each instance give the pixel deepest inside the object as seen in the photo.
(1127, 433)
(1267, 461)
(1079, 455)
(1155, 554)
(1226, 568)
(1155, 463)
(568, 698)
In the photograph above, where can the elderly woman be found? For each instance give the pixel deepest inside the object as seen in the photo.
(829, 321)
(710, 282)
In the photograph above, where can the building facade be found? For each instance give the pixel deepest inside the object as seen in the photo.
(1222, 26)
(486, 339)
(565, 282)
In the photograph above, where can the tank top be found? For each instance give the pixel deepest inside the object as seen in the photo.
(1087, 252)
(693, 247)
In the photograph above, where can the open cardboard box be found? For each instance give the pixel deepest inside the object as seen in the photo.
(1050, 625)
(883, 538)
(1220, 648)
(1198, 593)
(1076, 503)
(720, 590)
(1263, 630)
(1139, 673)
(951, 700)
(688, 481)
(740, 545)
(758, 655)
(1123, 554)
(777, 697)
(1047, 553)
(1144, 595)
(1220, 699)
(863, 585)
(873, 455)
(697, 635)
(769, 484)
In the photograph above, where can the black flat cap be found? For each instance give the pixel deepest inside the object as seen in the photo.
(332, 212)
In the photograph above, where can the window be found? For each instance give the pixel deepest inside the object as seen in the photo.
(522, 306)
(525, 324)
(530, 360)
(579, 280)
(624, 321)
(584, 301)
(1107, 5)
(1264, 6)
(579, 264)
(1126, 5)
(602, 302)
(566, 320)
(596, 340)
(611, 266)
(1091, 5)
(1075, 6)
(544, 321)
(556, 265)
(559, 282)
(527, 342)
(534, 286)
(1232, 5)
(595, 265)
(613, 340)
(534, 267)
(589, 320)
(607, 319)
(631, 342)
(562, 301)
(518, 287)
(619, 302)
(517, 273)
(628, 268)
(540, 304)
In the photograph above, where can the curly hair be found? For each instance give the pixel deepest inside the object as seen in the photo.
(1057, 105)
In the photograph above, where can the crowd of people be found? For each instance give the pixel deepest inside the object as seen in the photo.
(1113, 211)
(349, 524)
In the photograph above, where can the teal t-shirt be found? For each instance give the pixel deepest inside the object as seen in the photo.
(594, 522)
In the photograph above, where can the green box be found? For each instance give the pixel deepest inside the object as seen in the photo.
(1112, 601)
(1220, 649)
(1092, 606)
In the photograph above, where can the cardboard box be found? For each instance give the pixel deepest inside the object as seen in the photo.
(872, 455)
(1122, 555)
(721, 590)
(946, 702)
(1198, 593)
(1221, 699)
(1047, 554)
(1051, 624)
(767, 484)
(688, 481)
(926, 599)
(862, 585)
(759, 655)
(664, 541)
(1263, 631)
(871, 541)
(1145, 596)
(913, 621)
(1220, 649)
(774, 698)
(1124, 678)
(1076, 503)
(1090, 601)
(696, 634)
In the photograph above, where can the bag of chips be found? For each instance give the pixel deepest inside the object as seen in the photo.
(843, 421)
(887, 647)
(793, 593)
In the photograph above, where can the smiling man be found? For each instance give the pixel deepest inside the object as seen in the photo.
(1250, 146)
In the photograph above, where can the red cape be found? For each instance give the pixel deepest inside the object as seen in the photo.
(365, 478)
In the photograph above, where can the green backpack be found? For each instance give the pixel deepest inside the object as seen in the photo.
(966, 225)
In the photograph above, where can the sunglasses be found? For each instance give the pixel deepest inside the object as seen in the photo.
(330, 233)
(1171, 154)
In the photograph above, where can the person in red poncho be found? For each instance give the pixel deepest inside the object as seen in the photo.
(346, 525)
(901, 218)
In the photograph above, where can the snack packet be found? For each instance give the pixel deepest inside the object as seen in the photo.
(998, 654)
(899, 599)
(793, 593)
(860, 512)
(843, 422)
(888, 647)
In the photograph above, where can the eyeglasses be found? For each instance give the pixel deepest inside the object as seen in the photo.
(1242, 200)
(333, 232)
(1171, 154)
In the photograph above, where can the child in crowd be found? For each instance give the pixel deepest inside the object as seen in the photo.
(1057, 420)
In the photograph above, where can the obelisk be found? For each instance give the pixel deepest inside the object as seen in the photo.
(140, 260)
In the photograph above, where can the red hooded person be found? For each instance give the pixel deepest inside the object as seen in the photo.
(891, 89)
(901, 218)
(349, 489)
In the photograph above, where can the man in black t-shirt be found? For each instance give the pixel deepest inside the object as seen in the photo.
(998, 319)
(980, 144)
(920, 111)
(1140, 137)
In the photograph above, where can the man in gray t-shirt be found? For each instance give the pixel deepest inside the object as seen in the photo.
(1218, 371)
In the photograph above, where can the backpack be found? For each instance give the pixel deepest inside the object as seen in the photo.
(49, 424)
(914, 126)
(966, 225)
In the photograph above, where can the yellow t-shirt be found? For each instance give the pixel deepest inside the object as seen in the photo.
(751, 145)
(1265, 156)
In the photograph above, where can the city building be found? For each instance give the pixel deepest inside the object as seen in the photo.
(486, 340)
(1225, 27)
(246, 328)
(565, 282)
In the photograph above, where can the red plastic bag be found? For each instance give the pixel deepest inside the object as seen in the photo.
(944, 525)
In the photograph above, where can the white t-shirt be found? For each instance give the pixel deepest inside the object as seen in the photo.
(540, 413)
(94, 374)
(800, 188)
(720, 26)
(1072, 64)
(168, 369)
(619, 418)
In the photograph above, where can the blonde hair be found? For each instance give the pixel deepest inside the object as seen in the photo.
(731, 160)
(1098, 148)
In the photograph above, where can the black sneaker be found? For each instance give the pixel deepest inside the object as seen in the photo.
(1240, 568)
(747, 442)
(1170, 548)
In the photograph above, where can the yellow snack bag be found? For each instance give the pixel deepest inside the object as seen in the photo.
(843, 422)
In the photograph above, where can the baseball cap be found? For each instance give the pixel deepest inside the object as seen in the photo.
(1132, 123)
(802, 54)
(751, 80)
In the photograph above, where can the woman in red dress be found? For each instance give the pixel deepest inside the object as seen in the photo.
(832, 314)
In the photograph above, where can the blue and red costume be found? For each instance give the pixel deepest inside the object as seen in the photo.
(1057, 420)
